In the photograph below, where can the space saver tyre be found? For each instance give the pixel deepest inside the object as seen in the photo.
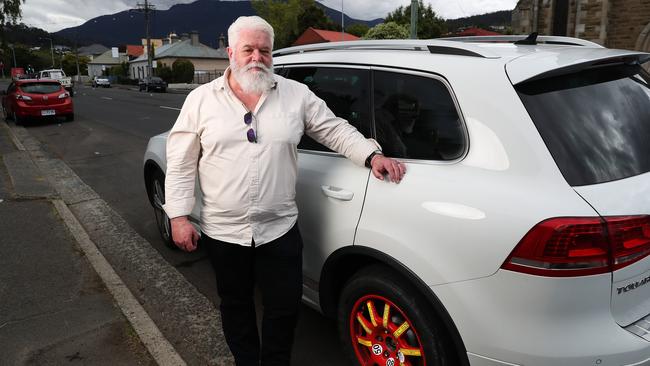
(383, 320)
(163, 224)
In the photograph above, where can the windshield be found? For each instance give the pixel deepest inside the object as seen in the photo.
(56, 75)
(40, 88)
(595, 123)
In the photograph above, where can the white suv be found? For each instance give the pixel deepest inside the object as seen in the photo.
(520, 234)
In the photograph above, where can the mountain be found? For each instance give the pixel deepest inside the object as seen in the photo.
(210, 18)
(497, 18)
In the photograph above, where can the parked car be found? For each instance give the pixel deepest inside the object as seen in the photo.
(36, 98)
(520, 233)
(58, 75)
(102, 81)
(152, 83)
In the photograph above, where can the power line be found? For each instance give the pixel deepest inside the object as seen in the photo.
(147, 8)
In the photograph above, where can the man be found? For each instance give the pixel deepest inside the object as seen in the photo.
(240, 133)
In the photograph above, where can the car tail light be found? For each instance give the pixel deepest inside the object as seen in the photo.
(64, 95)
(581, 246)
(23, 97)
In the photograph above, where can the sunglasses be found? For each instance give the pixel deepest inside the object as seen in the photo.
(250, 134)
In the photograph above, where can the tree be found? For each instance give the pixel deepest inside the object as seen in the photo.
(290, 18)
(69, 64)
(183, 71)
(357, 29)
(9, 14)
(164, 72)
(429, 24)
(390, 30)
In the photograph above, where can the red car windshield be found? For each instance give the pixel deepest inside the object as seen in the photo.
(40, 88)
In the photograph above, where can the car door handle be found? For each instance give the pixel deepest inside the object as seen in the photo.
(338, 193)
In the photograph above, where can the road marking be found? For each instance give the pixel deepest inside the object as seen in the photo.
(107, 98)
(157, 345)
(165, 107)
(173, 108)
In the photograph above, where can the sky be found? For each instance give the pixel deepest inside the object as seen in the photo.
(54, 15)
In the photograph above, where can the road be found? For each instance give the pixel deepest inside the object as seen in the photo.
(105, 146)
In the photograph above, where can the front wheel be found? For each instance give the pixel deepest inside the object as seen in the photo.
(157, 190)
(382, 320)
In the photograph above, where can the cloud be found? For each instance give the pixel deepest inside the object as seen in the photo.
(54, 15)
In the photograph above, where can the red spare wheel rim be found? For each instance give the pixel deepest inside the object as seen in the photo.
(382, 334)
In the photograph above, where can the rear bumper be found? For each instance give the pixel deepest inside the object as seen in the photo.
(29, 111)
(515, 319)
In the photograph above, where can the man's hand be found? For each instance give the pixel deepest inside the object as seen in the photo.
(184, 234)
(381, 165)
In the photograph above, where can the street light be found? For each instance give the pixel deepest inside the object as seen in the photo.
(51, 48)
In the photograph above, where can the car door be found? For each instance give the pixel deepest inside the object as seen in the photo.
(416, 120)
(330, 189)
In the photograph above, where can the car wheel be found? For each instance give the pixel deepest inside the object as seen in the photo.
(157, 190)
(382, 320)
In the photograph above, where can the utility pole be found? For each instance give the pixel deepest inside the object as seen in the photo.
(146, 8)
(51, 48)
(342, 22)
(414, 19)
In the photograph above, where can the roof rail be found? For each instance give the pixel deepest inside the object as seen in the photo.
(430, 45)
(569, 41)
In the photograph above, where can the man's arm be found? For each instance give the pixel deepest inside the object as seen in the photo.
(337, 134)
(183, 148)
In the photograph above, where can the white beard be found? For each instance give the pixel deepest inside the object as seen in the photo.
(253, 82)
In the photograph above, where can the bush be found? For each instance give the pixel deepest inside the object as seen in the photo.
(164, 72)
(183, 71)
(390, 30)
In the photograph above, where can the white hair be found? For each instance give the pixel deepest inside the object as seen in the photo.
(252, 23)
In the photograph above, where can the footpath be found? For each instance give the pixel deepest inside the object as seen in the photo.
(61, 300)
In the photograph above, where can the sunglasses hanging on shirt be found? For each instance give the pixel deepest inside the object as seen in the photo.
(250, 134)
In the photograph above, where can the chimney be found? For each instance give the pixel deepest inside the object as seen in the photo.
(185, 36)
(194, 36)
(222, 41)
(173, 38)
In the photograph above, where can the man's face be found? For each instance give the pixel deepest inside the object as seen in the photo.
(252, 46)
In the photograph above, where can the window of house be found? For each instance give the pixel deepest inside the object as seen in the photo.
(416, 118)
(346, 92)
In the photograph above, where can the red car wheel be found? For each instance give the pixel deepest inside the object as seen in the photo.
(383, 321)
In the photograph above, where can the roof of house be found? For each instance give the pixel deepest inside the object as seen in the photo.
(93, 49)
(477, 32)
(185, 49)
(107, 58)
(312, 35)
(134, 50)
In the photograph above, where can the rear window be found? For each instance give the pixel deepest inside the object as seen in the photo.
(40, 88)
(595, 123)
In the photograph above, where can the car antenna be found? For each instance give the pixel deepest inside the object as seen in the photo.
(530, 40)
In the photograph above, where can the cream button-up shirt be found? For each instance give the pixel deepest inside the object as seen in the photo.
(249, 189)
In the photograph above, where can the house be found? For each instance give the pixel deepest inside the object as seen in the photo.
(611, 23)
(92, 51)
(312, 35)
(105, 61)
(209, 63)
(134, 51)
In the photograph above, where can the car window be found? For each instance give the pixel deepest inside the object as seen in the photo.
(40, 88)
(594, 122)
(415, 117)
(344, 90)
(56, 74)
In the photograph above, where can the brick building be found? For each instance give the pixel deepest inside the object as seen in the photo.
(621, 24)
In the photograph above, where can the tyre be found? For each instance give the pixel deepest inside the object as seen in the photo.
(157, 190)
(383, 320)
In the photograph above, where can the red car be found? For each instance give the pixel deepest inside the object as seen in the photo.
(30, 98)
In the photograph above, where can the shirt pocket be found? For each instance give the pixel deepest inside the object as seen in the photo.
(282, 127)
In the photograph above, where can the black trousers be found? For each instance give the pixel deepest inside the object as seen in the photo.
(276, 268)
